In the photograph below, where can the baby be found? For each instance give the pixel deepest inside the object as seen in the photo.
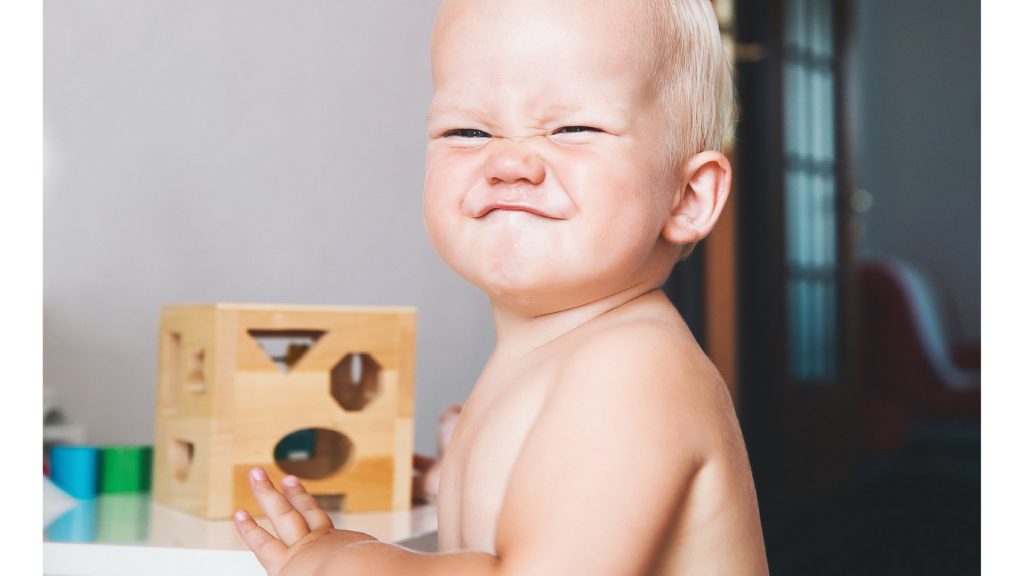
(572, 161)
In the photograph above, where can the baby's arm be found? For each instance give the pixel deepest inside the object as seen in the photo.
(307, 544)
(598, 481)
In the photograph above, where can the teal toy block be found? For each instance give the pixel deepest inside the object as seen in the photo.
(75, 469)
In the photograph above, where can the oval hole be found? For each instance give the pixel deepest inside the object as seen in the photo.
(313, 453)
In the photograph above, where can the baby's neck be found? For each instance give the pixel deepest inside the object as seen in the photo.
(518, 334)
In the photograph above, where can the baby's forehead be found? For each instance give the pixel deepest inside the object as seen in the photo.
(635, 26)
(615, 35)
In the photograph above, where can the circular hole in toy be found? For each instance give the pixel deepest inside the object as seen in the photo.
(313, 453)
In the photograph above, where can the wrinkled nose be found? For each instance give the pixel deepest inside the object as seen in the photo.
(515, 162)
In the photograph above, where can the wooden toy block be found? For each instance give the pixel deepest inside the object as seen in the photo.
(324, 393)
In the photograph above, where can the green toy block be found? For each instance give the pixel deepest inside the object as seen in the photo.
(125, 469)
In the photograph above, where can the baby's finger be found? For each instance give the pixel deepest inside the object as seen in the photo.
(269, 551)
(421, 462)
(288, 523)
(306, 504)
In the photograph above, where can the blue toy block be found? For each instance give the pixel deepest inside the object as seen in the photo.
(76, 470)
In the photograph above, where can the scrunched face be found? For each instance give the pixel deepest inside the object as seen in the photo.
(547, 181)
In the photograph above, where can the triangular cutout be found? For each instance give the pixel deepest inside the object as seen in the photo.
(285, 347)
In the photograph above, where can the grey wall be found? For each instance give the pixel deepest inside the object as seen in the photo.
(241, 151)
(917, 119)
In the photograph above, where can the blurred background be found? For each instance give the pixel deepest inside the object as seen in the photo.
(840, 295)
(261, 151)
(264, 151)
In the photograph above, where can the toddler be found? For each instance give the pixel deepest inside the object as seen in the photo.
(573, 159)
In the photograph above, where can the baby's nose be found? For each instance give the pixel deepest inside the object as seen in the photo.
(515, 162)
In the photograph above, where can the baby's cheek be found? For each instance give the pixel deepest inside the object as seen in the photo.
(440, 194)
(438, 226)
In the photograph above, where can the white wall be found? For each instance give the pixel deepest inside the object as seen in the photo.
(241, 151)
(917, 102)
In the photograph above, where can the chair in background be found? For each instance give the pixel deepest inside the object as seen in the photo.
(913, 378)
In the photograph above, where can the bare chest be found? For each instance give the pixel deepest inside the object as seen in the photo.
(478, 463)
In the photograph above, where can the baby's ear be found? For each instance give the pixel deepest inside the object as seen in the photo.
(701, 191)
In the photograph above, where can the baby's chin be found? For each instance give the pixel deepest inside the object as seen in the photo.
(538, 293)
(512, 283)
(544, 279)
(514, 286)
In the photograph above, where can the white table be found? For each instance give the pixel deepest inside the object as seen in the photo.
(129, 534)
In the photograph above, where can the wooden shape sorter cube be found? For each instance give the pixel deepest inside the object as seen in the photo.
(324, 393)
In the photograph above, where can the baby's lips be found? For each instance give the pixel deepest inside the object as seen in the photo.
(535, 200)
(516, 208)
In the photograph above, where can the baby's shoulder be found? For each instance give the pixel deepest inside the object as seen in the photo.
(656, 346)
(642, 365)
(659, 331)
(638, 382)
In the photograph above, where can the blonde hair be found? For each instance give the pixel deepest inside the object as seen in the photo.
(694, 75)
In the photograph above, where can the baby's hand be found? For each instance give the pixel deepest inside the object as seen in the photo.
(305, 534)
(427, 479)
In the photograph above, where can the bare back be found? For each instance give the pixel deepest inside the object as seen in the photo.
(713, 526)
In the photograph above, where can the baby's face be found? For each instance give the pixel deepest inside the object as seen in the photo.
(547, 183)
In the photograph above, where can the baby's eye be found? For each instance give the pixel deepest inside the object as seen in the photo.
(467, 133)
(576, 129)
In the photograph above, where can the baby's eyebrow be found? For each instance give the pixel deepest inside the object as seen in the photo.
(545, 112)
(463, 109)
(541, 112)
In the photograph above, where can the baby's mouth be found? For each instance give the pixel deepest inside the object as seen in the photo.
(506, 207)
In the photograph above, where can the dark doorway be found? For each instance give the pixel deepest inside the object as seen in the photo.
(828, 504)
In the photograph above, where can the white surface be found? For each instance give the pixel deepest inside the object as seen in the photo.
(64, 559)
(128, 534)
(55, 501)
